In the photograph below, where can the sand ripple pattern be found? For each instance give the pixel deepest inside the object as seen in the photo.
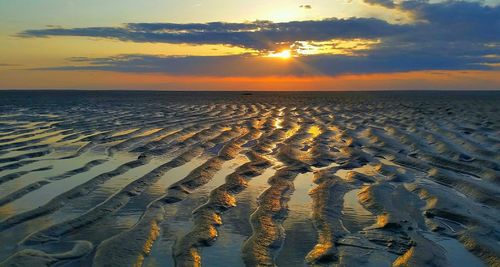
(262, 179)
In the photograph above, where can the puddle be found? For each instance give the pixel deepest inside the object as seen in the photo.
(355, 216)
(456, 254)
(301, 236)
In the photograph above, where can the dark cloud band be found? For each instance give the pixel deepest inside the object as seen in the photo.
(260, 35)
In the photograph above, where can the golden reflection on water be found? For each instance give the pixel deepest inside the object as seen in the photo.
(185, 137)
(347, 174)
(124, 132)
(314, 131)
(196, 258)
(216, 219)
(382, 220)
(403, 259)
(53, 139)
(148, 132)
(165, 135)
(212, 232)
(229, 200)
(292, 131)
(334, 128)
(320, 249)
(277, 123)
(154, 232)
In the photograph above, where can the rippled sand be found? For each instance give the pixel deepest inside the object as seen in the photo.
(262, 179)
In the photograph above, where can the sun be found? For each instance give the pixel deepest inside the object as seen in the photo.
(283, 54)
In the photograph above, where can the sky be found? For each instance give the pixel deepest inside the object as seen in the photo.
(250, 45)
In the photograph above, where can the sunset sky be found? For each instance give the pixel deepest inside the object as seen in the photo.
(250, 45)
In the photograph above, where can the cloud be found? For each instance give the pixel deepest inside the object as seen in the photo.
(450, 35)
(8, 65)
(384, 3)
(452, 21)
(260, 35)
(384, 60)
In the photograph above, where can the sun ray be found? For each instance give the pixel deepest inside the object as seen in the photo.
(283, 54)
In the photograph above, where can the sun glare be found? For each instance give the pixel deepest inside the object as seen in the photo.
(283, 54)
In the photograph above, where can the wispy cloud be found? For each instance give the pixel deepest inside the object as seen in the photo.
(384, 3)
(7, 65)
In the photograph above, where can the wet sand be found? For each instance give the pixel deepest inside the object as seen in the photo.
(232, 179)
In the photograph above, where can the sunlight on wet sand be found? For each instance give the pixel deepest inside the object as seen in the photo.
(260, 180)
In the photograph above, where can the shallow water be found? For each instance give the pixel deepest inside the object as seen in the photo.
(286, 179)
(356, 217)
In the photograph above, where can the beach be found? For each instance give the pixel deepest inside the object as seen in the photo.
(116, 178)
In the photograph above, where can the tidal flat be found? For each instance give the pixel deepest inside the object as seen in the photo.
(115, 178)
